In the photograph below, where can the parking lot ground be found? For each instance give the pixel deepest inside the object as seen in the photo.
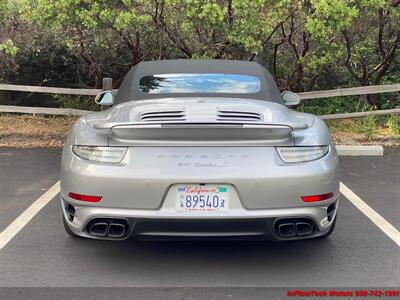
(358, 254)
(200, 293)
(25, 174)
(376, 180)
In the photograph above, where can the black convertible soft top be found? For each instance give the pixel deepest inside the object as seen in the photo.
(129, 89)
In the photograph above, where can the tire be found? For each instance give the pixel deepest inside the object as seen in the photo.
(330, 230)
(67, 229)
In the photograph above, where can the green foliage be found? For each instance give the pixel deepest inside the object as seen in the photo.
(370, 127)
(324, 24)
(209, 28)
(331, 105)
(307, 45)
(329, 17)
(8, 11)
(367, 126)
(8, 47)
(393, 124)
(372, 41)
(254, 21)
(77, 102)
(347, 104)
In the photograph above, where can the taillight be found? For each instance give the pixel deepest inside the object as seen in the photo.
(111, 155)
(316, 198)
(86, 198)
(302, 153)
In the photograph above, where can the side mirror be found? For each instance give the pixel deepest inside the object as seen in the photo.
(290, 98)
(105, 98)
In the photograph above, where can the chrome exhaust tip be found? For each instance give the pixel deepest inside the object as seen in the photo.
(294, 227)
(304, 228)
(116, 230)
(98, 229)
(286, 230)
(108, 228)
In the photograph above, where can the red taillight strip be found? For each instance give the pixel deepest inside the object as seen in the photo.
(84, 197)
(316, 198)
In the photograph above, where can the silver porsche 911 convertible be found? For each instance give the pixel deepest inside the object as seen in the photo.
(199, 149)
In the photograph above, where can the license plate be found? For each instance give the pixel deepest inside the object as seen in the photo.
(202, 198)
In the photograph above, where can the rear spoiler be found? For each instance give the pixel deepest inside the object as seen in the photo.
(110, 125)
(198, 134)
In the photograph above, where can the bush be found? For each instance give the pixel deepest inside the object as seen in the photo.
(393, 124)
(77, 102)
(370, 127)
(347, 104)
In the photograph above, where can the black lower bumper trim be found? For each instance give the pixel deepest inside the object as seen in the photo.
(210, 229)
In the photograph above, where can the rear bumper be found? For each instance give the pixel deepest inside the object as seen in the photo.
(262, 190)
(164, 224)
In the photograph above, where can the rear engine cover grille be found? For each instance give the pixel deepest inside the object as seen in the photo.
(228, 115)
(161, 116)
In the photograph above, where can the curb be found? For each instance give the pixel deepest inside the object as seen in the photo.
(376, 150)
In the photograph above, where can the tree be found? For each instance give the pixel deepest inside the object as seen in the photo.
(9, 24)
(372, 42)
(98, 29)
(308, 42)
(235, 29)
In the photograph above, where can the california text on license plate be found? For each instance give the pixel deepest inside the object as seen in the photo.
(195, 197)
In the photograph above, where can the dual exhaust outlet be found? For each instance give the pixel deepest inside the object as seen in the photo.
(118, 228)
(287, 228)
(112, 228)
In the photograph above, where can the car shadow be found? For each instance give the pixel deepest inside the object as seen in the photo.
(178, 257)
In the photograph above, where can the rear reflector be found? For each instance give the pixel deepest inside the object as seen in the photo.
(316, 198)
(84, 197)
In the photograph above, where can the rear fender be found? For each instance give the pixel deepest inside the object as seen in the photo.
(316, 134)
(82, 133)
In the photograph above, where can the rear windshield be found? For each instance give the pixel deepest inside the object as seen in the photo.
(199, 83)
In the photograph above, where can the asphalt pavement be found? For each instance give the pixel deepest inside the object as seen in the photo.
(358, 254)
(25, 174)
(377, 181)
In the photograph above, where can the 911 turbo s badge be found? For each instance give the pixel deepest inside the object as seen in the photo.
(187, 159)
